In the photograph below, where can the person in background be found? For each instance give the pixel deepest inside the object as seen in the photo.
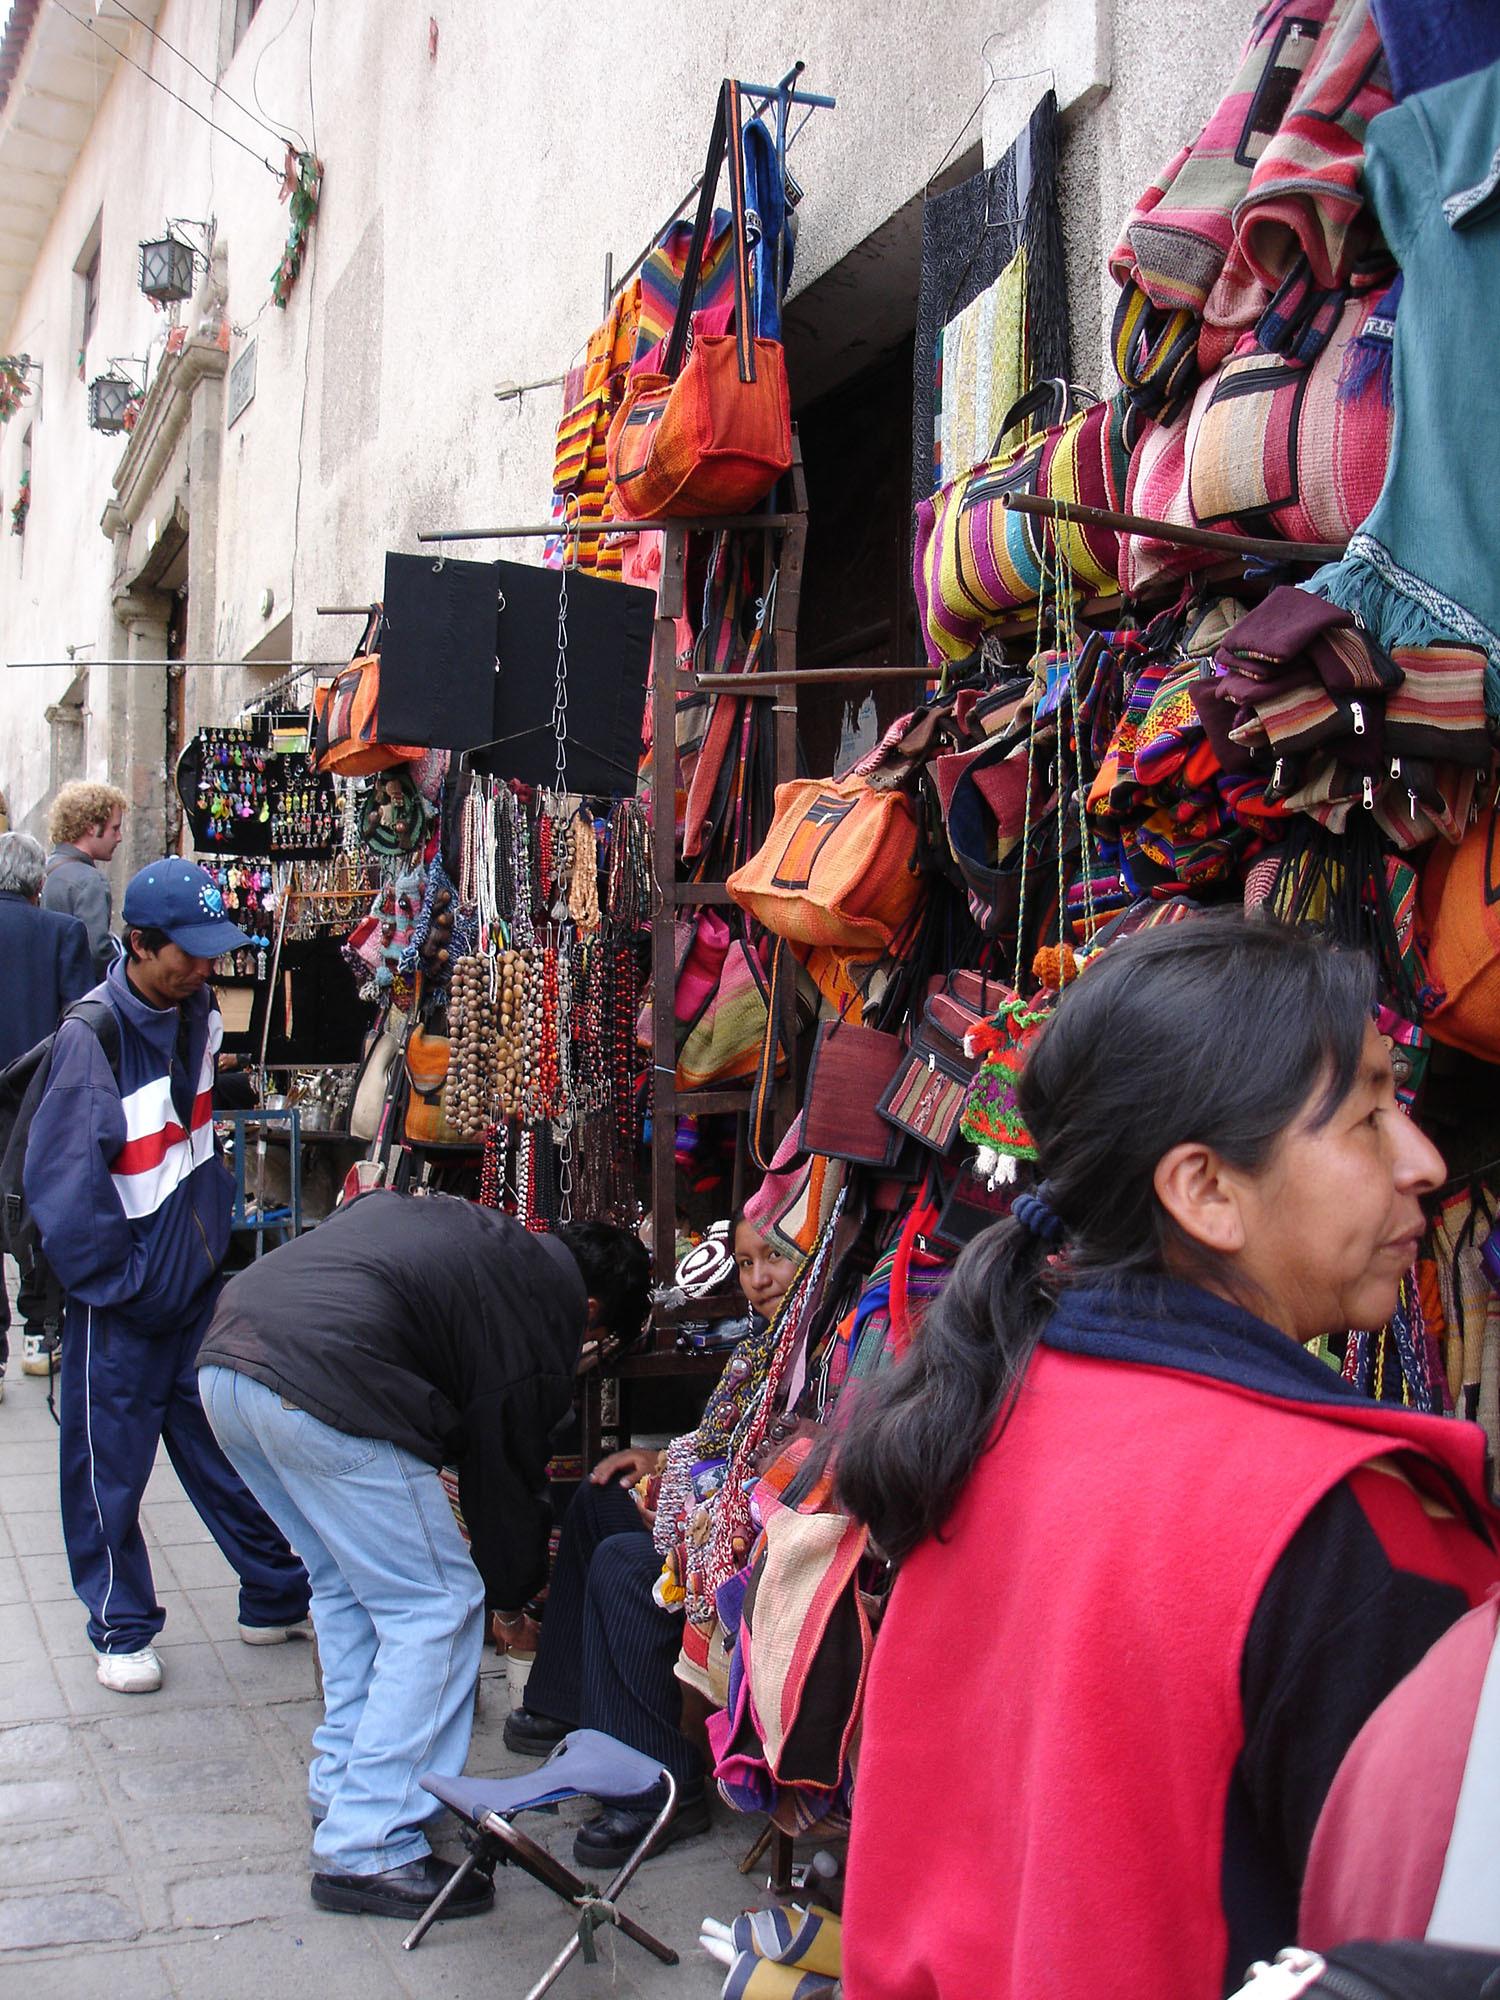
(1408, 1842)
(340, 1374)
(84, 829)
(607, 1650)
(44, 968)
(132, 1203)
(1156, 1561)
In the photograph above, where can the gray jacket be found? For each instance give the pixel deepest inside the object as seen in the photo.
(80, 889)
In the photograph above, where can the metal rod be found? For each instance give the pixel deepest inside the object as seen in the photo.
(752, 684)
(343, 610)
(512, 392)
(305, 667)
(765, 93)
(591, 530)
(769, 90)
(1169, 531)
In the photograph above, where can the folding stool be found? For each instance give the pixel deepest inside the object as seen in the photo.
(586, 1763)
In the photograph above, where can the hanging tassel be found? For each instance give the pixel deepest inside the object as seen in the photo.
(1368, 359)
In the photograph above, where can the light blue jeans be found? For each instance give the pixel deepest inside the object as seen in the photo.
(398, 1608)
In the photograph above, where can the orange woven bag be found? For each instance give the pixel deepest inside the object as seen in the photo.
(1460, 912)
(838, 867)
(347, 715)
(711, 433)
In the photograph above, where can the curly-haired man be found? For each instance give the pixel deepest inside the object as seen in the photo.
(84, 829)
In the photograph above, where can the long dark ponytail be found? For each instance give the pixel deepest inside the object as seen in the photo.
(1219, 1030)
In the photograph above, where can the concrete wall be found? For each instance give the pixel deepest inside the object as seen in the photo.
(483, 157)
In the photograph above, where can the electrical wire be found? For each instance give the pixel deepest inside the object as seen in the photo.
(91, 28)
(266, 48)
(157, 36)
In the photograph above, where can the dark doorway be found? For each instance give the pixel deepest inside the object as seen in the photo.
(857, 607)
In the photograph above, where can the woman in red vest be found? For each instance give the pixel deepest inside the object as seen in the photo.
(1157, 1561)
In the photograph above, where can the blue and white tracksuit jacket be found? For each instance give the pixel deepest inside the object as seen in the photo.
(133, 1203)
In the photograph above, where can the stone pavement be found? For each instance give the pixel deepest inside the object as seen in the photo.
(154, 1847)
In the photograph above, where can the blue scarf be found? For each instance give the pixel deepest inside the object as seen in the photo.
(1164, 1323)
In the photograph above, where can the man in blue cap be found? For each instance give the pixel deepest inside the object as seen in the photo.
(132, 1202)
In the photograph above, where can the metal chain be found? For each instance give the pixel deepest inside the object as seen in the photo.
(560, 687)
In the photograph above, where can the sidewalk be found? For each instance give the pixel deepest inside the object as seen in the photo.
(154, 1847)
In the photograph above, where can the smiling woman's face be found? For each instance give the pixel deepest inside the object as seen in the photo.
(1333, 1221)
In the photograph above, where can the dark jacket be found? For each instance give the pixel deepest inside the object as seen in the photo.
(44, 967)
(77, 888)
(129, 1193)
(444, 1327)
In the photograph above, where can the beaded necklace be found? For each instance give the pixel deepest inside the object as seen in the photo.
(583, 875)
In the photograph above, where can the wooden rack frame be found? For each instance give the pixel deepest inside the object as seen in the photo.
(668, 1103)
(605, 1420)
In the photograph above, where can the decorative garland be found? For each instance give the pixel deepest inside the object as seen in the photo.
(21, 506)
(302, 186)
(14, 387)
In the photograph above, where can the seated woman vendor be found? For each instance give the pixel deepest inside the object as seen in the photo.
(607, 1649)
(1157, 1561)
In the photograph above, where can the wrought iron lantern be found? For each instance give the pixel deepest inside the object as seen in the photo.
(111, 396)
(170, 261)
(166, 274)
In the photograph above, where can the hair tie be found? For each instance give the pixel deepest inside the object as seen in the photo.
(1036, 1215)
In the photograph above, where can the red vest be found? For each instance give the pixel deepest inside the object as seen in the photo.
(1053, 1715)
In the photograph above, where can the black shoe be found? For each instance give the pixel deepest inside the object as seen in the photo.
(533, 1735)
(609, 1839)
(402, 1892)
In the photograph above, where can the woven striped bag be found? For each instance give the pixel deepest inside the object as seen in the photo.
(976, 563)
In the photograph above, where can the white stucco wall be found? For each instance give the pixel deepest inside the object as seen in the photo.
(471, 197)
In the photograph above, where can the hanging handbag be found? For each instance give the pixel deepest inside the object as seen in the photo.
(371, 1086)
(428, 1057)
(1271, 445)
(975, 562)
(1460, 914)
(724, 1043)
(838, 867)
(846, 1080)
(712, 433)
(347, 715)
(927, 1094)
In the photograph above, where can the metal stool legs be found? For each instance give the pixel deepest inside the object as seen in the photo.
(497, 1839)
(484, 1852)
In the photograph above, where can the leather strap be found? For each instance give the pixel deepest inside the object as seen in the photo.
(726, 121)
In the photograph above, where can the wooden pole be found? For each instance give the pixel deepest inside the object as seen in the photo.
(591, 530)
(1269, 547)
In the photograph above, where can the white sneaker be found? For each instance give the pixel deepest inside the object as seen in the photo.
(130, 1673)
(275, 1635)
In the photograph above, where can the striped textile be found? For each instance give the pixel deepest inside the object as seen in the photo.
(1274, 173)
(1438, 710)
(661, 281)
(982, 367)
(591, 395)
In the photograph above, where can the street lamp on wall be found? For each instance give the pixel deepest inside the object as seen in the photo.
(168, 262)
(112, 395)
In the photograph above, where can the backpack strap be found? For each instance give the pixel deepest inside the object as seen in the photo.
(105, 1022)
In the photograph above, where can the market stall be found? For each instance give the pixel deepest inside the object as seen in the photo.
(1184, 647)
